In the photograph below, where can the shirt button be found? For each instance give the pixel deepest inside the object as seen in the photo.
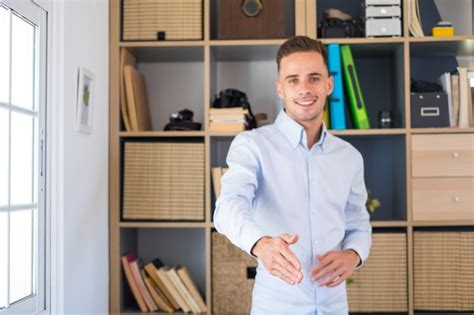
(314, 210)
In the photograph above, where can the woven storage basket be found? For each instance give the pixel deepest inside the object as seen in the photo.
(444, 271)
(231, 287)
(163, 181)
(178, 19)
(381, 284)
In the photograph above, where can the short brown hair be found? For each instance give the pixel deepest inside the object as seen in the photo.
(301, 44)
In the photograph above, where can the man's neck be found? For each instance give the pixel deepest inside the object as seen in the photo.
(313, 131)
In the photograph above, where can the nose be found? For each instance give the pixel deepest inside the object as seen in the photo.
(304, 88)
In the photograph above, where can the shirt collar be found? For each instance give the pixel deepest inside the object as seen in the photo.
(294, 131)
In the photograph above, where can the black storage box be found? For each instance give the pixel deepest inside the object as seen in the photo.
(429, 110)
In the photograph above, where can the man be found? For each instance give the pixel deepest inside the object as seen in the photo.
(294, 195)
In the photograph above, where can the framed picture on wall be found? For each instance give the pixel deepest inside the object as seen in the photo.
(85, 100)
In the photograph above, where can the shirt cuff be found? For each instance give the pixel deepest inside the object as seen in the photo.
(250, 235)
(359, 253)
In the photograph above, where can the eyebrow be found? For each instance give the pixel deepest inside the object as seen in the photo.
(309, 75)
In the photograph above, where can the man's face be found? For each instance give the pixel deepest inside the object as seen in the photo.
(303, 84)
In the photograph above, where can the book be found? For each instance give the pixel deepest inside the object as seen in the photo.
(216, 173)
(141, 286)
(126, 260)
(163, 274)
(356, 100)
(137, 99)
(228, 110)
(126, 58)
(455, 98)
(464, 110)
(160, 302)
(227, 127)
(336, 99)
(414, 20)
(152, 270)
(173, 275)
(189, 284)
(445, 80)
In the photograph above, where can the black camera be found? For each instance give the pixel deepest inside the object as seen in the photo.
(235, 98)
(182, 120)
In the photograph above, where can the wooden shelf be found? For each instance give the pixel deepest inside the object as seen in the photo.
(151, 224)
(132, 44)
(427, 39)
(369, 132)
(363, 40)
(440, 130)
(443, 223)
(246, 42)
(164, 134)
(389, 223)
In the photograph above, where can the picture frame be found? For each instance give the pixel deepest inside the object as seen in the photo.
(85, 100)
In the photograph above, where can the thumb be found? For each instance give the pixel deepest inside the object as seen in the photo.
(290, 239)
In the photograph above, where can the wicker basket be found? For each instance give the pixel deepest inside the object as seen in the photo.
(231, 286)
(175, 19)
(444, 271)
(163, 181)
(381, 284)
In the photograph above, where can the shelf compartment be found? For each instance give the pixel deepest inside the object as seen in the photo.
(174, 78)
(385, 275)
(439, 256)
(173, 246)
(156, 175)
(171, 224)
(460, 14)
(233, 273)
(354, 8)
(385, 173)
(228, 20)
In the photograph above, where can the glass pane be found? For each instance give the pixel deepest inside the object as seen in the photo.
(22, 62)
(3, 257)
(21, 159)
(4, 54)
(21, 254)
(3, 157)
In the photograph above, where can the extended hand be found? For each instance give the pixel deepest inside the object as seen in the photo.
(334, 267)
(278, 259)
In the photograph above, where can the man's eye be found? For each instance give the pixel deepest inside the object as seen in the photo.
(314, 79)
(293, 81)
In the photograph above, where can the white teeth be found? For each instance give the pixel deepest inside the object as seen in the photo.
(305, 102)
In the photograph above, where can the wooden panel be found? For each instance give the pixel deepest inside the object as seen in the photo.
(443, 155)
(443, 198)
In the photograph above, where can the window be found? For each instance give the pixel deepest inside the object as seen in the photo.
(22, 175)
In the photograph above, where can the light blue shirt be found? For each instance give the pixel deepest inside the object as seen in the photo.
(276, 184)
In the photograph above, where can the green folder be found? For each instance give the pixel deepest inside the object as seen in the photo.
(360, 118)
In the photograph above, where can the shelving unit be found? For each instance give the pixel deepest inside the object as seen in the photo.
(189, 74)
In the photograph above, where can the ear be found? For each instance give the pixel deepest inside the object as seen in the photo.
(279, 88)
(330, 85)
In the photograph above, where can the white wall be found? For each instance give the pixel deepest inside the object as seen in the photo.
(80, 273)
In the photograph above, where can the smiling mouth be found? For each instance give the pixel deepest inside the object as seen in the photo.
(306, 102)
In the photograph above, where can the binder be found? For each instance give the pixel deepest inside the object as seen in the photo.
(359, 113)
(336, 100)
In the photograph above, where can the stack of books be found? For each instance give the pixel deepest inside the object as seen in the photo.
(232, 119)
(162, 288)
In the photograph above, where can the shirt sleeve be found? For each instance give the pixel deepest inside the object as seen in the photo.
(358, 234)
(233, 215)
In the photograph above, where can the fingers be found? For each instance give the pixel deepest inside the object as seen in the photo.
(290, 239)
(332, 277)
(279, 262)
(324, 266)
(339, 280)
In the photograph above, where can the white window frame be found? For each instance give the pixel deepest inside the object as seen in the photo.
(38, 16)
